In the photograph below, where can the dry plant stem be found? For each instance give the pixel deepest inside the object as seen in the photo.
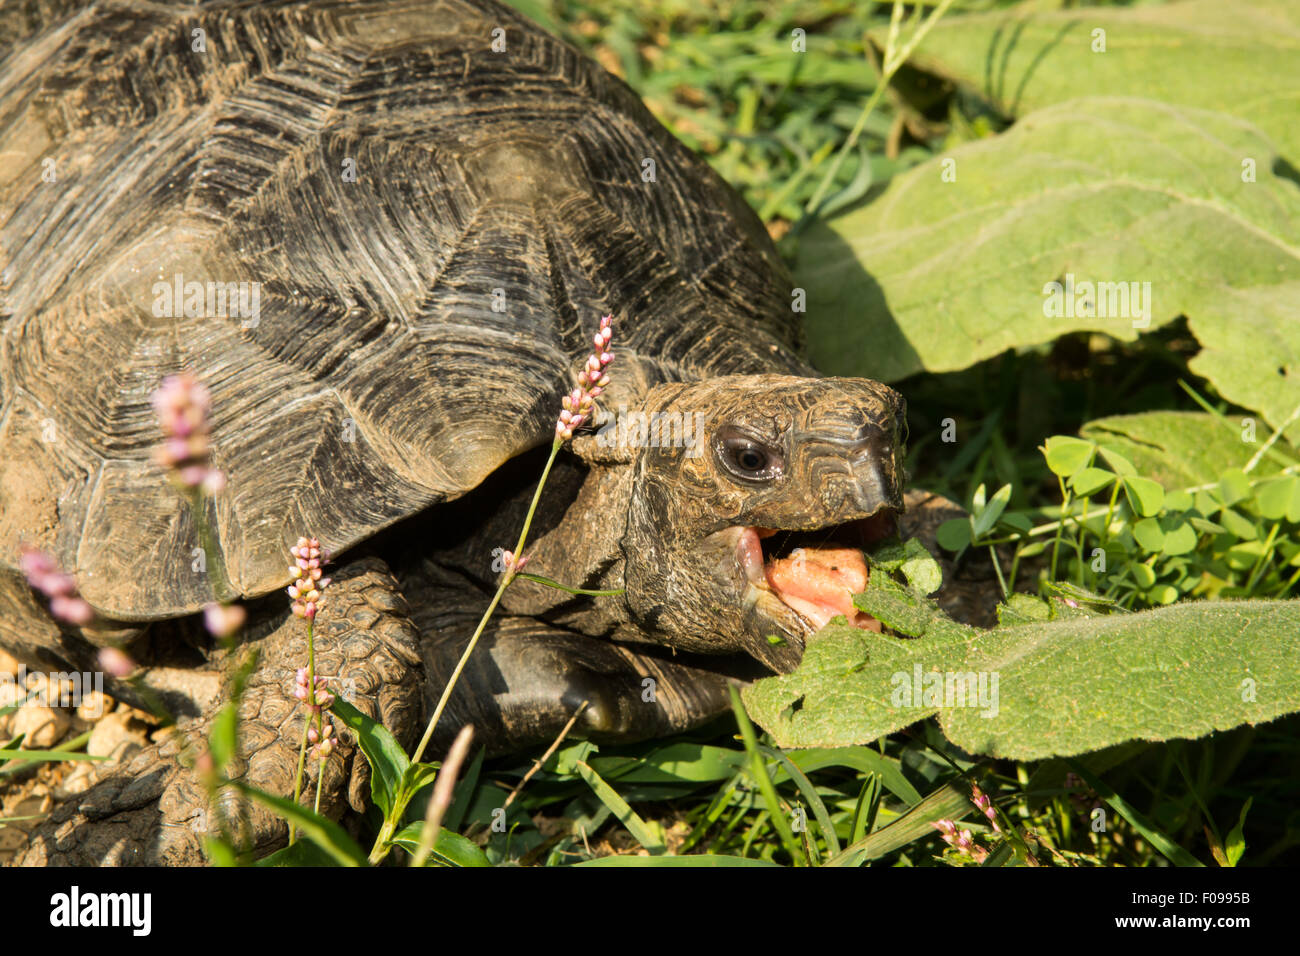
(555, 745)
(440, 800)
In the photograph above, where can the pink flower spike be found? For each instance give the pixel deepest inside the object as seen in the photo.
(182, 405)
(43, 574)
(592, 380)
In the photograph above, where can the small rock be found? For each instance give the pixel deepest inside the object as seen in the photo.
(10, 693)
(43, 727)
(94, 705)
(114, 736)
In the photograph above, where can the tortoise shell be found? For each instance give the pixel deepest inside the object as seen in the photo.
(381, 233)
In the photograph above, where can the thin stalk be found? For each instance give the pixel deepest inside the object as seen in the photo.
(487, 615)
(1060, 525)
(380, 848)
(1263, 558)
(997, 567)
(537, 578)
(889, 67)
(306, 724)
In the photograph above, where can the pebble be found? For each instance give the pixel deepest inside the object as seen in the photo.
(43, 726)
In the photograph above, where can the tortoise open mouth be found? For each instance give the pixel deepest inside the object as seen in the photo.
(814, 573)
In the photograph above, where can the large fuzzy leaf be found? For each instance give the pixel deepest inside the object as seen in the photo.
(1251, 349)
(1180, 449)
(1238, 57)
(938, 275)
(1063, 687)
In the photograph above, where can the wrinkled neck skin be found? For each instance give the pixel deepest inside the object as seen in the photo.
(577, 541)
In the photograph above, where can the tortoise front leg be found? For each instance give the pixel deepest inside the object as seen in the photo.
(526, 679)
(153, 811)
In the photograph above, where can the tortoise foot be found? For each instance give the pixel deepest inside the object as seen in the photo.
(155, 811)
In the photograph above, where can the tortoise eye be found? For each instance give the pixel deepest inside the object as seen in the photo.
(746, 458)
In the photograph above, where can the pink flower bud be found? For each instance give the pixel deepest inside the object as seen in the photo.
(71, 610)
(115, 663)
(223, 620)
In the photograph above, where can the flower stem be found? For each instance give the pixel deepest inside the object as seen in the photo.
(380, 848)
(496, 599)
(311, 693)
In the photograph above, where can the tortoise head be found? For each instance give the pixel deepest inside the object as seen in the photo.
(752, 499)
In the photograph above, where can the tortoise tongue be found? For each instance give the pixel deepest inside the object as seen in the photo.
(819, 583)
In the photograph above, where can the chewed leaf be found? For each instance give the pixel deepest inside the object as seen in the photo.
(912, 558)
(1040, 688)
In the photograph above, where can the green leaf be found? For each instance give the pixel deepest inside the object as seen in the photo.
(298, 853)
(219, 852)
(863, 759)
(1145, 496)
(1023, 609)
(677, 762)
(1023, 60)
(387, 759)
(1088, 481)
(326, 834)
(1235, 845)
(1118, 462)
(983, 522)
(810, 795)
(650, 837)
(1175, 853)
(1180, 537)
(1096, 190)
(1234, 486)
(1238, 526)
(1149, 535)
(1177, 449)
(1273, 498)
(912, 558)
(450, 849)
(953, 534)
(44, 756)
(946, 803)
(704, 860)
(1066, 455)
(1063, 687)
(223, 737)
(1250, 350)
(1142, 573)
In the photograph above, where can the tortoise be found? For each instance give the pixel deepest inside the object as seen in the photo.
(416, 210)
